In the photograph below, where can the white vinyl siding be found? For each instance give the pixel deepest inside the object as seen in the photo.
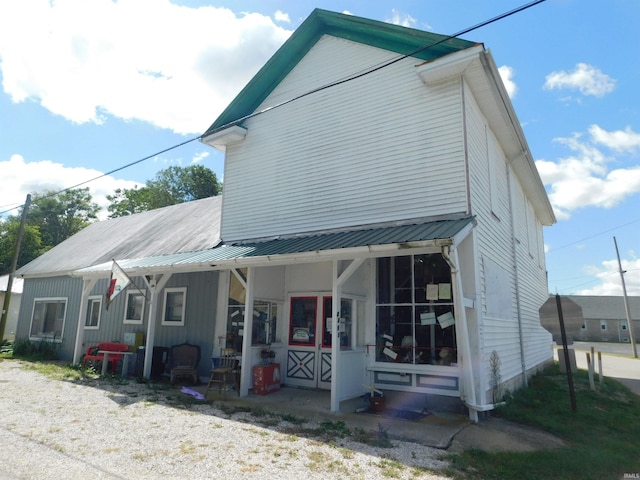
(497, 200)
(354, 154)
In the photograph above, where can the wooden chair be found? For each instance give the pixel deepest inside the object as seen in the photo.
(225, 371)
(183, 362)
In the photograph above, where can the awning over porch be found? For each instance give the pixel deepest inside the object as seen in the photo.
(409, 235)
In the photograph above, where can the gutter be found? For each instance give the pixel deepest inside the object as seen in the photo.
(104, 270)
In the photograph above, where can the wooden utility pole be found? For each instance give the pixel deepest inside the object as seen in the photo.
(14, 265)
(626, 303)
(565, 350)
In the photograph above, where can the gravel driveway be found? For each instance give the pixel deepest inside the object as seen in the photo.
(101, 429)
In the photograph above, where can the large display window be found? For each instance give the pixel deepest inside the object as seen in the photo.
(415, 318)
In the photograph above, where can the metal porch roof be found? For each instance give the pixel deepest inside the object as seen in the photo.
(329, 242)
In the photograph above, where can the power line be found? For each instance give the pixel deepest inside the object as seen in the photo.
(53, 194)
(593, 236)
(376, 68)
(311, 92)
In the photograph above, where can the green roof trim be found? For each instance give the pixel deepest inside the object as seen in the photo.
(397, 39)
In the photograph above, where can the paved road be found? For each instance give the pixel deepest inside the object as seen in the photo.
(617, 361)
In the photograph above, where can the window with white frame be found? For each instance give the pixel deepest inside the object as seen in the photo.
(623, 326)
(265, 316)
(414, 308)
(47, 318)
(134, 308)
(92, 320)
(583, 326)
(603, 325)
(174, 306)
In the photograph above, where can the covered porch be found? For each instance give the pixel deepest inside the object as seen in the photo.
(315, 301)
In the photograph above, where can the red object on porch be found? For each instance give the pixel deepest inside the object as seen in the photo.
(377, 404)
(92, 354)
(266, 378)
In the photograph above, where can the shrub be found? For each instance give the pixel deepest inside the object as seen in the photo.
(6, 347)
(36, 349)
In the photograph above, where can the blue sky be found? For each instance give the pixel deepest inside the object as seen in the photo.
(89, 86)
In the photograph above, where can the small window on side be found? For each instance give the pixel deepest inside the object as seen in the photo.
(94, 309)
(134, 308)
(174, 306)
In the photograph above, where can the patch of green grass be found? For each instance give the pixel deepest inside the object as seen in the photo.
(338, 429)
(292, 419)
(60, 371)
(380, 438)
(602, 434)
(230, 408)
(390, 468)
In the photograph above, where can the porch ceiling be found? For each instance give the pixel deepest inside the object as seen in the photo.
(410, 235)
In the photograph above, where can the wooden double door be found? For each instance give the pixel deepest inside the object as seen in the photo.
(309, 343)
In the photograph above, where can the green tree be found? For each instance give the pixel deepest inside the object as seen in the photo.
(170, 186)
(31, 243)
(127, 201)
(63, 215)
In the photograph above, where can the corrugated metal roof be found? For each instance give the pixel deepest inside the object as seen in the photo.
(355, 238)
(186, 227)
(333, 241)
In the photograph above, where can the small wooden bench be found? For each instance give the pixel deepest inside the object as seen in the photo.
(95, 354)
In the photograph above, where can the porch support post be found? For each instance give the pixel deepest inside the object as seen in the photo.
(87, 286)
(245, 364)
(335, 344)
(155, 285)
(462, 331)
(336, 294)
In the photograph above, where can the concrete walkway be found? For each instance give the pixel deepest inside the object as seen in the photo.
(447, 425)
(445, 419)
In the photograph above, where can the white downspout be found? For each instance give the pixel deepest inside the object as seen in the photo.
(467, 362)
(514, 257)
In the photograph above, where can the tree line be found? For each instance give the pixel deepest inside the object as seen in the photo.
(52, 218)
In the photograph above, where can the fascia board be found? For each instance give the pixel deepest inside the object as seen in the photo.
(448, 66)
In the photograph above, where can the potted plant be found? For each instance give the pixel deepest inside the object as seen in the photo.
(267, 355)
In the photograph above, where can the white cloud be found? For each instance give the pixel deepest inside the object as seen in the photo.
(199, 157)
(507, 73)
(619, 140)
(398, 18)
(609, 275)
(282, 17)
(587, 79)
(21, 178)
(584, 179)
(149, 60)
